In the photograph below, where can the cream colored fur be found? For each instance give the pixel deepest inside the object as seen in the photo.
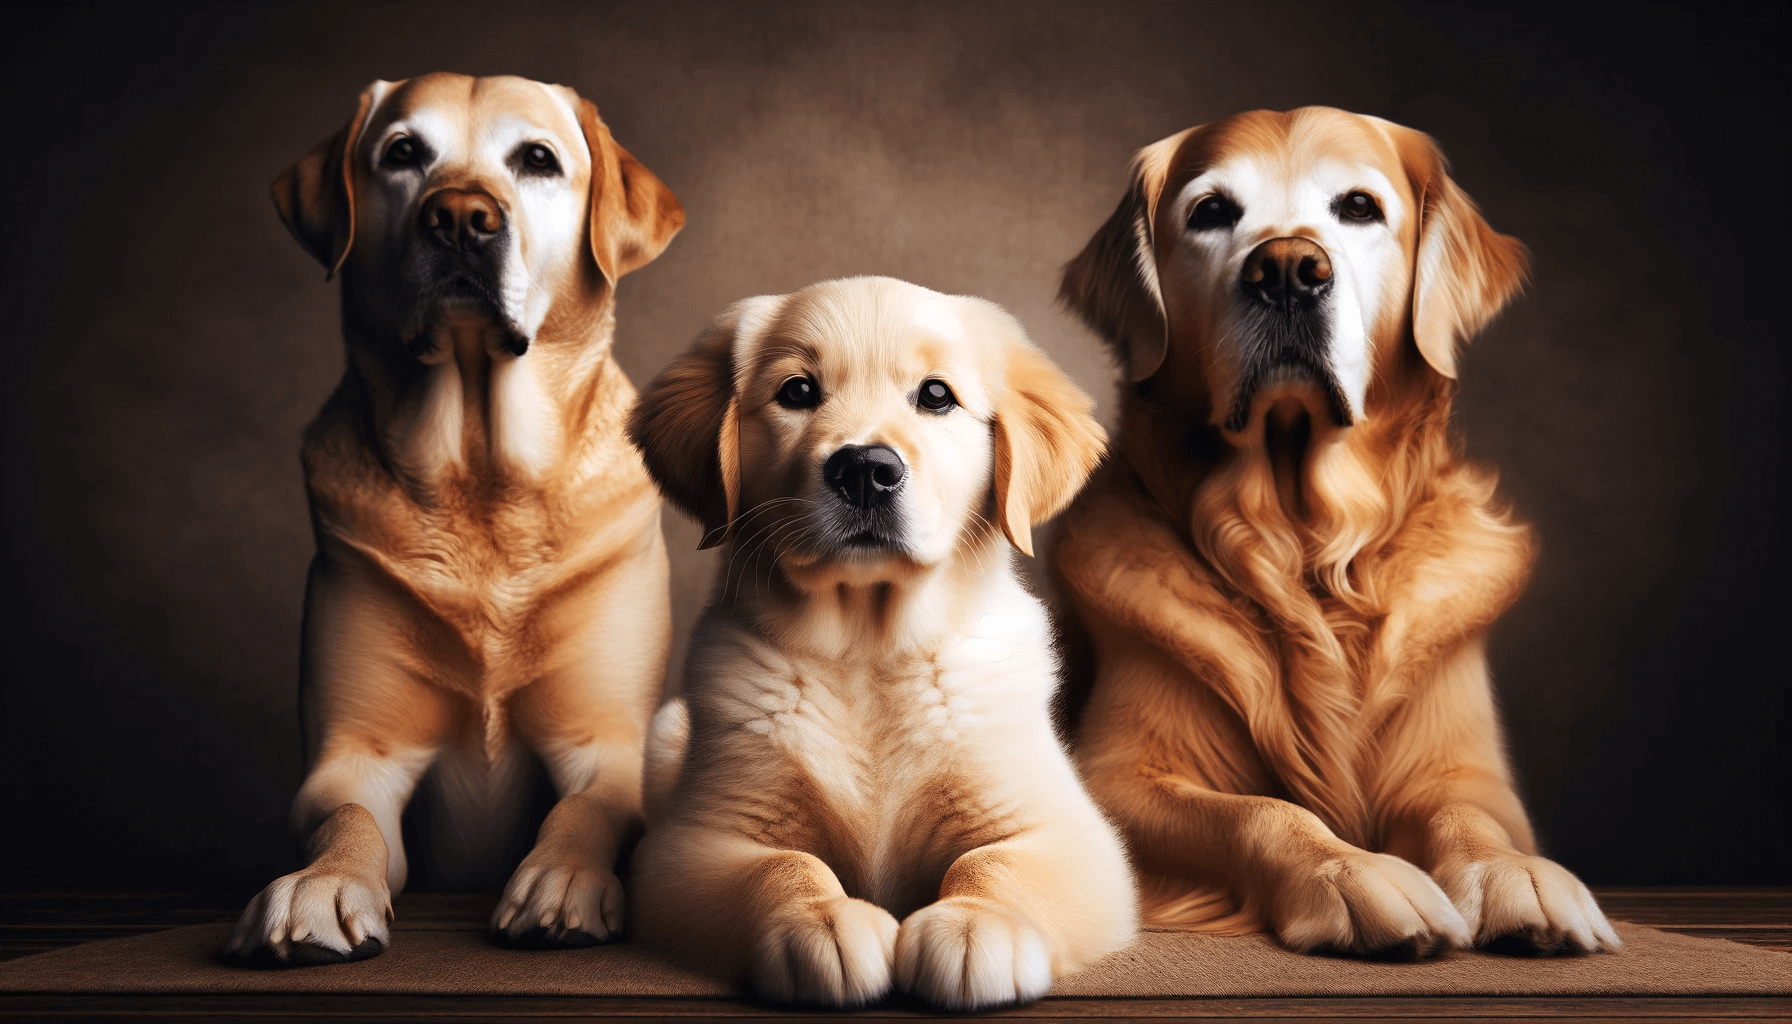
(861, 790)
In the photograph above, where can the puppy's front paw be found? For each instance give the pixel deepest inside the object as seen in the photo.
(828, 953)
(313, 917)
(1365, 904)
(552, 902)
(1527, 906)
(969, 954)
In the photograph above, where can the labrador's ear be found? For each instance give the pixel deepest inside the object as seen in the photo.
(1464, 272)
(1112, 285)
(686, 423)
(316, 196)
(633, 214)
(1046, 441)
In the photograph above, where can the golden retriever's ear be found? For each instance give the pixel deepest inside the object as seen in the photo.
(1112, 284)
(633, 214)
(1046, 441)
(686, 423)
(316, 196)
(1465, 272)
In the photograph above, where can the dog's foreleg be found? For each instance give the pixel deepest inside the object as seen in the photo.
(1014, 914)
(338, 906)
(1451, 809)
(779, 919)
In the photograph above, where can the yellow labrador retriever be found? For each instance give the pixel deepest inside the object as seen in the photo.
(1286, 571)
(866, 791)
(490, 584)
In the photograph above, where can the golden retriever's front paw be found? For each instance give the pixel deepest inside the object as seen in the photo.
(969, 954)
(1365, 904)
(826, 953)
(1527, 906)
(313, 916)
(551, 904)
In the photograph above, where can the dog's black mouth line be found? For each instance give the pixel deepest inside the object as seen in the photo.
(1279, 340)
(457, 287)
(1336, 404)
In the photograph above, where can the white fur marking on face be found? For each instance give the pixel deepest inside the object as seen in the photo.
(1280, 201)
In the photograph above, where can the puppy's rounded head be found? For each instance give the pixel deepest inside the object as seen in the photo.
(865, 429)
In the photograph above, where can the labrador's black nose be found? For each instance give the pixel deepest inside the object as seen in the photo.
(865, 475)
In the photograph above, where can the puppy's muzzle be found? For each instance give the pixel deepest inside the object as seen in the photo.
(1289, 274)
(866, 477)
(460, 219)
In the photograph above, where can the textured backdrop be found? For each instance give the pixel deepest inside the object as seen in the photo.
(166, 342)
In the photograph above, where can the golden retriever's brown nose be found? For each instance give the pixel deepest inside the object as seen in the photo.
(460, 218)
(1287, 273)
(866, 475)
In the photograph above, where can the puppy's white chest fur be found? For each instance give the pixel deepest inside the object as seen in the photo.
(903, 759)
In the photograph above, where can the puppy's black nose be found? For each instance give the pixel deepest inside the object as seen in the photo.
(866, 475)
(460, 219)
(1287, 273)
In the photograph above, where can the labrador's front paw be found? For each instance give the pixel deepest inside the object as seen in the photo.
(968, 954)
(1526, 906)
(826, 953)
(1365, 904)
(313, 916)
(556, 902)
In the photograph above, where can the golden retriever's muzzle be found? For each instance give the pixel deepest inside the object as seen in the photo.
(457, 259)
(1283, 324)
(863, 481)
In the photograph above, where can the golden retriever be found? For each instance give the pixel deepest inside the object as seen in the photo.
(1286, 571)
(490, 584)
(868, 738)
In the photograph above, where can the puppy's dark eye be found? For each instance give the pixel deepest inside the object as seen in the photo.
(1215, 211)
(402, 152)
(935, 396)
(539, 158)
(1357, 206)
(799, 393)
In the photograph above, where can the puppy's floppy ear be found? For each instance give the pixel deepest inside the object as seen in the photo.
(316, 196)
(1112, 284)
(686, 423)
(1046, 441)
(633, 214)
(1464, 271)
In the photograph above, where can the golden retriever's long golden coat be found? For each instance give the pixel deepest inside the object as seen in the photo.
(1286, 620)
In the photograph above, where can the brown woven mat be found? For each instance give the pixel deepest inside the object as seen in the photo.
(447, 957)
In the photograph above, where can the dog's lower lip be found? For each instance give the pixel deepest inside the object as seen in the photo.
(867, 539)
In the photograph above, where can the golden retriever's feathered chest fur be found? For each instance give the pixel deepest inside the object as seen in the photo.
(1300, 677)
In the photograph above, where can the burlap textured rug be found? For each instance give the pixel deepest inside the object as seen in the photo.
(451, 956)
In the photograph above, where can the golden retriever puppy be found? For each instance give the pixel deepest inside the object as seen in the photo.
(1285, 573)
(865, 791)
(490, 584)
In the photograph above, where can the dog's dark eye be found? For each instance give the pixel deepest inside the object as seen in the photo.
(1358, 206)
(1215, 211)
(935, 396)
(540, 159)
(799, 393)
(403, 152)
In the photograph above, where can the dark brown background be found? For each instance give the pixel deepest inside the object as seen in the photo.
(166, 342)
